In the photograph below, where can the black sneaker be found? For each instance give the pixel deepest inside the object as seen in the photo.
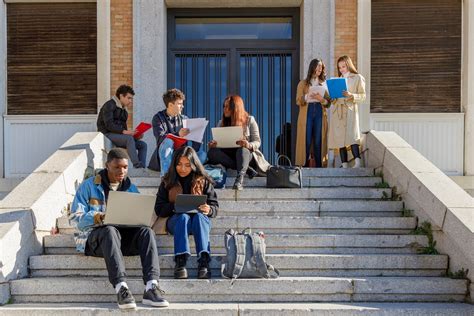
(251, 172)
(204, 272)
(154, 297)
(125, 299)
(180, 271)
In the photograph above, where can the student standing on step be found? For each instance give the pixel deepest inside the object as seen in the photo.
(187, 176)
(344, 128)
(112, 122)
(112, 242)
(312, 117)
(170, 121)
(247, 155)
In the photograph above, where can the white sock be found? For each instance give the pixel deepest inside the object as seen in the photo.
(150, 283)
(119, 285)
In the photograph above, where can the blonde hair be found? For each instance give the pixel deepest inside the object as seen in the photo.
(349, 64)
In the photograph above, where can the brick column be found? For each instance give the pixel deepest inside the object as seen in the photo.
(346, 31)
(121, 46)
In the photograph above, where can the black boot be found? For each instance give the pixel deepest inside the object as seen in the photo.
(204, 272)
(251, 172)
(180, 271)
(238, 184)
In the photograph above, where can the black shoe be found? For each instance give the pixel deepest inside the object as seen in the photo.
(238, 184)
(125, 299)
(204, 272)
(180, 271)
(251, 172)
(154, 297)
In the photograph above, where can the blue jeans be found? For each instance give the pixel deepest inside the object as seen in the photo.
(183, 225)
(314, 126)
(166, 151)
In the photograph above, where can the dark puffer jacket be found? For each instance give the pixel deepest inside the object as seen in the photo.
(112, 118)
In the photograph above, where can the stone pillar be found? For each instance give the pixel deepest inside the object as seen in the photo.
(149, 61)
(3, 75)
(363, 58)
(317, 34)
(467, 95)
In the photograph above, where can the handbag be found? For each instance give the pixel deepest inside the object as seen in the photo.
(279, 176)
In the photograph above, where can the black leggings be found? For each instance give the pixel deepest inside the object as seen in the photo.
(354, 149)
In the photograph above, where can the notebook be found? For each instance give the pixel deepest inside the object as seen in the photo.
(129, 209)
(141, 129)
(188, 203)
(226, 137)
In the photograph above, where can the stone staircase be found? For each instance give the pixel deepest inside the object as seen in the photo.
(339, 243)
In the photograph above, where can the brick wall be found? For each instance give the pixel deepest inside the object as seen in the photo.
(346, 30)
(121, 46)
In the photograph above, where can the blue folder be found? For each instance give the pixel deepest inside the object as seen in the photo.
(336, 86)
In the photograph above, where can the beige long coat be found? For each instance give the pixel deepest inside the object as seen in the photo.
(344, 122)
(300, 159)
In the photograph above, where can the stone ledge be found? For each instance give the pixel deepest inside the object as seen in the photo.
(429, 192)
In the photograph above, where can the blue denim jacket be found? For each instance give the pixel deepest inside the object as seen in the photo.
(89, 200)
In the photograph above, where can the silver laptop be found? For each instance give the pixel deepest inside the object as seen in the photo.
(227, 136)
(129, 209)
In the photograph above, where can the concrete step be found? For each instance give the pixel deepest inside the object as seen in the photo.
(297, 265)
(302, 224)
(295, 244)
(262, 181)
(248, 309)
(307, 172)
(296, 194)
(366, 208)
(284, 289)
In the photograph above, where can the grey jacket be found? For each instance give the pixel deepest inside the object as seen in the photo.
(252, 134)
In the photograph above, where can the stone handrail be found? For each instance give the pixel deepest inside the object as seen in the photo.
(432, 195)
(31, 209)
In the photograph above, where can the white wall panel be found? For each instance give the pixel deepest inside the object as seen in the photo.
(437, 136)
(30, 140)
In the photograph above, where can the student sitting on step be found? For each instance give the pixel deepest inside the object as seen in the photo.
(112, 242)
(187, 176)
(170, 121)
(247, 154)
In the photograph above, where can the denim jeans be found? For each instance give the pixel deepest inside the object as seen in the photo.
(183, 225)
(166, 151)
(132, 145)
(314, 125)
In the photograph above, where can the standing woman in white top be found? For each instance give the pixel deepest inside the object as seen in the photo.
(312, 118)
(344, 128)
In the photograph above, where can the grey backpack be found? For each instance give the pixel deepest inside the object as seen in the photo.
(245, 256)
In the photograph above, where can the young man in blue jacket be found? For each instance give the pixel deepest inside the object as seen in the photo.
(112, 242)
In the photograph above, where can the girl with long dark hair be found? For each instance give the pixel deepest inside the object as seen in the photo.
(187, 176)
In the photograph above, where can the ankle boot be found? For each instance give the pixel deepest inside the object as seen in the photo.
(180, 271)
(204, 272)
(357, 163)
(251, 172)
(238, 184)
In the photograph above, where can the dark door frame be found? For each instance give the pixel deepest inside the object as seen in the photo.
(234, 48)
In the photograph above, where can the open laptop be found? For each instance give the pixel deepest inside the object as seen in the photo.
(227, 136)
(129, 209)
(188, 203)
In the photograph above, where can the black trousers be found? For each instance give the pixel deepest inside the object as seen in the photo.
(354, 149)
(112, 243)
(231, 158)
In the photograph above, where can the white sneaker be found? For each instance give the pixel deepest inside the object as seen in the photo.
(331, 159)
(357, 163)
(345, 165)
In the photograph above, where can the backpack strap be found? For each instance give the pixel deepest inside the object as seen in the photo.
(239, 240)
(258, 254)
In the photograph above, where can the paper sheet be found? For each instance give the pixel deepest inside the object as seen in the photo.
(197, 127)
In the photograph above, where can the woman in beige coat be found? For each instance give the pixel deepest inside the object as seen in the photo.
(312, 116)
(344, 122)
